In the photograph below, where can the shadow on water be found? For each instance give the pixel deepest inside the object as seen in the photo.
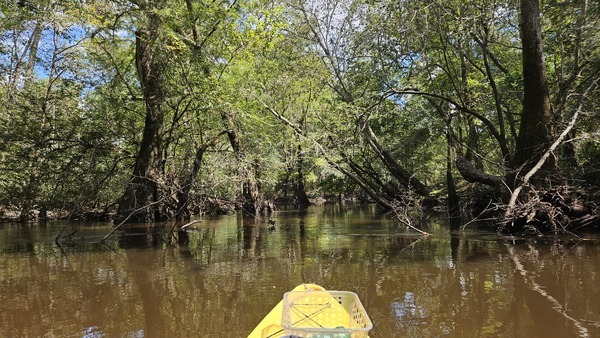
(142, 236)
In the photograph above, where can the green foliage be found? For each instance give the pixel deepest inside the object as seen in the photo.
(72, 114)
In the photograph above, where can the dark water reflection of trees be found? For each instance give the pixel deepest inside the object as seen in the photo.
(221, 278)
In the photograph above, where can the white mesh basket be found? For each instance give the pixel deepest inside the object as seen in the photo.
(324, 314)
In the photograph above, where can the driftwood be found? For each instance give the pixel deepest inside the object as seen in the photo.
(563, 209)
(187, 225)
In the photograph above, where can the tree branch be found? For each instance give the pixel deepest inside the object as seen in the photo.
(487, 122)
(333, 163)
(542, 160)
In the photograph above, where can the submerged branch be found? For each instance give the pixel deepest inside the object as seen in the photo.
(185, 226)
(408, 223)
(133, 212)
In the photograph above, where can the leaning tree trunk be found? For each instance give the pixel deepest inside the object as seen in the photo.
(406, 178)
(534, 133)
(140, 201)
(354, 178)
(183, 194)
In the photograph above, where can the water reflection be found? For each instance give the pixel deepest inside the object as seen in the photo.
(221, 278)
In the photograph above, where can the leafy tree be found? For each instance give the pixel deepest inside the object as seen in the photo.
(158, 106)
(141, 195)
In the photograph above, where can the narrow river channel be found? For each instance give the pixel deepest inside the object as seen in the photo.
(220, 278)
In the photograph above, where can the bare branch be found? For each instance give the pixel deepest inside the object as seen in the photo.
(542, 160)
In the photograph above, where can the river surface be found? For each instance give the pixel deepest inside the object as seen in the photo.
(221, 277)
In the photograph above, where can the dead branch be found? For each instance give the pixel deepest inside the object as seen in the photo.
(185, 226)
(133, 212)
(408, 223)
(542, 160)
(406, 219)
(538, 165)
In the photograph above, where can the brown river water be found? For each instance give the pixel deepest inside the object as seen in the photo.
(221, 278)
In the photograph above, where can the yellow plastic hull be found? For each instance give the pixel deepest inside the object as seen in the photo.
(270, 327)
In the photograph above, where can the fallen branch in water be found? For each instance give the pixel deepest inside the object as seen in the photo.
(405, 219)
(133, 212)
(478, 219)
(408, 224)
(183, 227)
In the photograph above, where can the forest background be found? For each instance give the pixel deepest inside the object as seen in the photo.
(147, 110)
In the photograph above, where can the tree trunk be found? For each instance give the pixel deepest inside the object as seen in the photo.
(252, 200)
(453, 201)
(374, 190)
(534, 133)
(183, 195)
(33, 49)
(402, 175)
(300, 198)
(140, 201)
(472, 140)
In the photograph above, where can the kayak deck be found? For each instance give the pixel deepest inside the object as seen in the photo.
(311, 311)
(271, 323)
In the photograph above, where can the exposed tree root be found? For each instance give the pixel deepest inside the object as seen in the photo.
(561, 209)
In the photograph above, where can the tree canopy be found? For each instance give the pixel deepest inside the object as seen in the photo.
(153, 109)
